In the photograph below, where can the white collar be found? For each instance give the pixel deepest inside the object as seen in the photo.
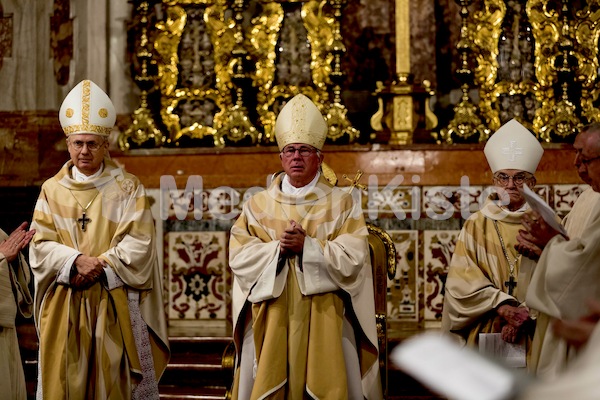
(81, 177)
(287, 188)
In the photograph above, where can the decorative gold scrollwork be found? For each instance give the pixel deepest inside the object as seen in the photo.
(468, 122)
(195, 44)
(566, 61)
(143, 129)
(539, 67)
(291, 44)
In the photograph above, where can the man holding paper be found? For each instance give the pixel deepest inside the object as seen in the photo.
(567, 274)
(482, 293)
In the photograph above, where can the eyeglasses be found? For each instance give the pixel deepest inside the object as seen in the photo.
(290, 151)
(517, 179)
(91, 145)
(588, 161)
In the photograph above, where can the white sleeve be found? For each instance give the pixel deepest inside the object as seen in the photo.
(64, 275)
(313, 277)
(270, 284)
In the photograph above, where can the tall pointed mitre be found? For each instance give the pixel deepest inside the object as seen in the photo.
(513, 147)
(300, 121)
(87, 109)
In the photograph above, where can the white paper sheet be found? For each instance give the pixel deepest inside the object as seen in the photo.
(538, 204)
(457, 372)
(511, 354)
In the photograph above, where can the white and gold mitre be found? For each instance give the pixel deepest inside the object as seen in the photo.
(87, 109)
(513, 147)
(300, 121)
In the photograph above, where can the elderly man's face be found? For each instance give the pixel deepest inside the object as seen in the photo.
(587, 158)
(301, 163)
(87, 151)
(511, 180)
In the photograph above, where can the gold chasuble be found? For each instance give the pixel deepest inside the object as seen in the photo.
(94, 352)
(479, 274)
(297, 307)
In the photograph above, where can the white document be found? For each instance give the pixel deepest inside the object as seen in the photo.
(511, 354)
(454, 371)
(538, 204)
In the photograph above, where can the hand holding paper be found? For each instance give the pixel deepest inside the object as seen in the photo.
(540, 225)
(543, 210)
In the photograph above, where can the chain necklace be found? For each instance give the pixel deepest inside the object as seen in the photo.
(302, 218)
(84, 220)
(511, 283)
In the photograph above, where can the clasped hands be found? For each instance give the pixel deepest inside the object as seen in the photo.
(292, 239)
(89, 271)
(515, 318)
(536, 234)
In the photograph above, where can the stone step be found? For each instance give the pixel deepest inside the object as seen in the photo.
(195, 369)
(403, 386)
(184, 393)
(209, 347)
(194, 376)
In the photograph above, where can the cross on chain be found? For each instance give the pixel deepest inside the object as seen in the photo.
(84, 220)
(511, 284)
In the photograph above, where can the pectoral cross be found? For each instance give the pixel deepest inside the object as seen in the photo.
(511, 284)
(84, 220)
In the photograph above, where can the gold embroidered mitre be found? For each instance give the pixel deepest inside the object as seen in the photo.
(300, 121)
(513, 147)
(88, 110)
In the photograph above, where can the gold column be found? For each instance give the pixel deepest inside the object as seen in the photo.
(402, 37)
(404, 106)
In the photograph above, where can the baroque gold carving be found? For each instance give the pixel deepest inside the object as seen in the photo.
(389, 247)
(568, 55)
(467, 121)
(143, 128)
(207, 104)
(339, 126)
(486, 28)
(555, 93)
(305, 19)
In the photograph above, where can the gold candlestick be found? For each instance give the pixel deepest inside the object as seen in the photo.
(143, 130)
(466, 123)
